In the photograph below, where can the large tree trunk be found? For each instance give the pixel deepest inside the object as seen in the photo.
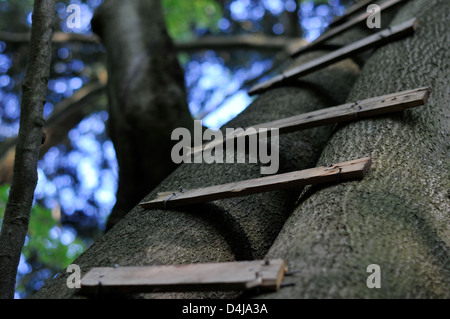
(232, 229)
(146, 95)
(398, 216)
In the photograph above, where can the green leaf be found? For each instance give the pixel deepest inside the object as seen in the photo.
(181, 16)
(40, 246)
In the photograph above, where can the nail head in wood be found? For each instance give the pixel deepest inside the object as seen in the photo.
(379, 38)
(354, 169)
(242, 275)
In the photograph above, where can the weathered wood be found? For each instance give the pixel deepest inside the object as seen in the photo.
(243, 275)
(352, 111)
(344, 27)
(382, 37)
(355, 169)
(343, 113)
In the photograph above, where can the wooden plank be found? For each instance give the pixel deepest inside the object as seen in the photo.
(355, 169)
(344, 27)
(352, 111)
(354, 8)
(382, 37)
(242, 275)
(342, 113)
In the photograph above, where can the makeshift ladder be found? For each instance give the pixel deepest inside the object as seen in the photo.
(266, 274)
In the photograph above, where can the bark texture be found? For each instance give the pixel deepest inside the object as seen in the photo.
(147, 98)
(398, 216)
(232, 229)
(34, 90)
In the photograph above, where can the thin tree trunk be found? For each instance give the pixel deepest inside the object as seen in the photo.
(34, 90)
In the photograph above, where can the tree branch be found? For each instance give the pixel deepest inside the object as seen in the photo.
(243, 42)
(280, 59)
(58, 37)
(67, 115)
(247, 42)
(34, 90)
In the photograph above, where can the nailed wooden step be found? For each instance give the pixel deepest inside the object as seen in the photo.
(355, 169)
(382, 37)
(242, 275)
(374, 106)
(344, 27)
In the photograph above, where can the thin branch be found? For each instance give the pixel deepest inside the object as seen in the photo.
(280, 60)
(67, 115)
(58, 37)
(245, 42)
(34, 90)
(70, 112)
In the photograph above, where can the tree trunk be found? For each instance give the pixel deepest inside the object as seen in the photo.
(34, 91)
(398, 216)
(232, 229)
(147, 98)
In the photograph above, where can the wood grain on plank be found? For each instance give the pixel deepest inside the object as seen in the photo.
(382, 37)
(352, 111)
(374, 106)
(242, 275)
(355, 169)
(344, 27)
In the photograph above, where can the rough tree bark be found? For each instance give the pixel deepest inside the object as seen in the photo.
(147, 98)
(398, 217)
(231, 229)
(34, 91)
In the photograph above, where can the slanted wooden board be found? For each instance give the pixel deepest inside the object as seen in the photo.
(242, 275)
(343, 113)
(344, 27)
(355, 169)
(387, 35)
(354, 8)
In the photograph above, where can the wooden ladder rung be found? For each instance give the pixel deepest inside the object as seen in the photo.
(242, 275)
(387, 35)
(374, 106)
(330, 33)
(355, 169)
